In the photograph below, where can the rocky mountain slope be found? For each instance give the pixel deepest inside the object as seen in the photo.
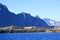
(8, 18)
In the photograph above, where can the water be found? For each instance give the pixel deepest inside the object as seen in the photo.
(30, 36)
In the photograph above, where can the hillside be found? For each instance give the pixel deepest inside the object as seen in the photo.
(8, 18)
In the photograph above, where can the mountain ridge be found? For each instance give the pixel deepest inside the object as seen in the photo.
(8, 18)
(52, 22)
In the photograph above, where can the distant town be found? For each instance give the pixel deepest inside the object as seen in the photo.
(14, 29)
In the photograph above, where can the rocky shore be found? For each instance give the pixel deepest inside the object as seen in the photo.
(14, 29)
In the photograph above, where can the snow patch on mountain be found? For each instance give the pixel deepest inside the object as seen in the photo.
(51, 22)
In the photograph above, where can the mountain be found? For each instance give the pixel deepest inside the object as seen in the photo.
(8, 18)
(28, 20)
(52, 22)
(49, 21)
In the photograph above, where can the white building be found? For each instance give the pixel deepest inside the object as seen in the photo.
(29, 27)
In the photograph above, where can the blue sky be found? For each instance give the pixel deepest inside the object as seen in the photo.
(43, 8)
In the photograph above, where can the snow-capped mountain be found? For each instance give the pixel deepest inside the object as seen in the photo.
(51, 22)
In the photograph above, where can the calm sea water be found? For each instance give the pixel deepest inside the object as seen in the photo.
(30, 36)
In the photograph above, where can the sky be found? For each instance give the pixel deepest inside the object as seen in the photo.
(44, 8)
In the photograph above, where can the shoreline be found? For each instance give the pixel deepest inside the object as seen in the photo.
(31, 29)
